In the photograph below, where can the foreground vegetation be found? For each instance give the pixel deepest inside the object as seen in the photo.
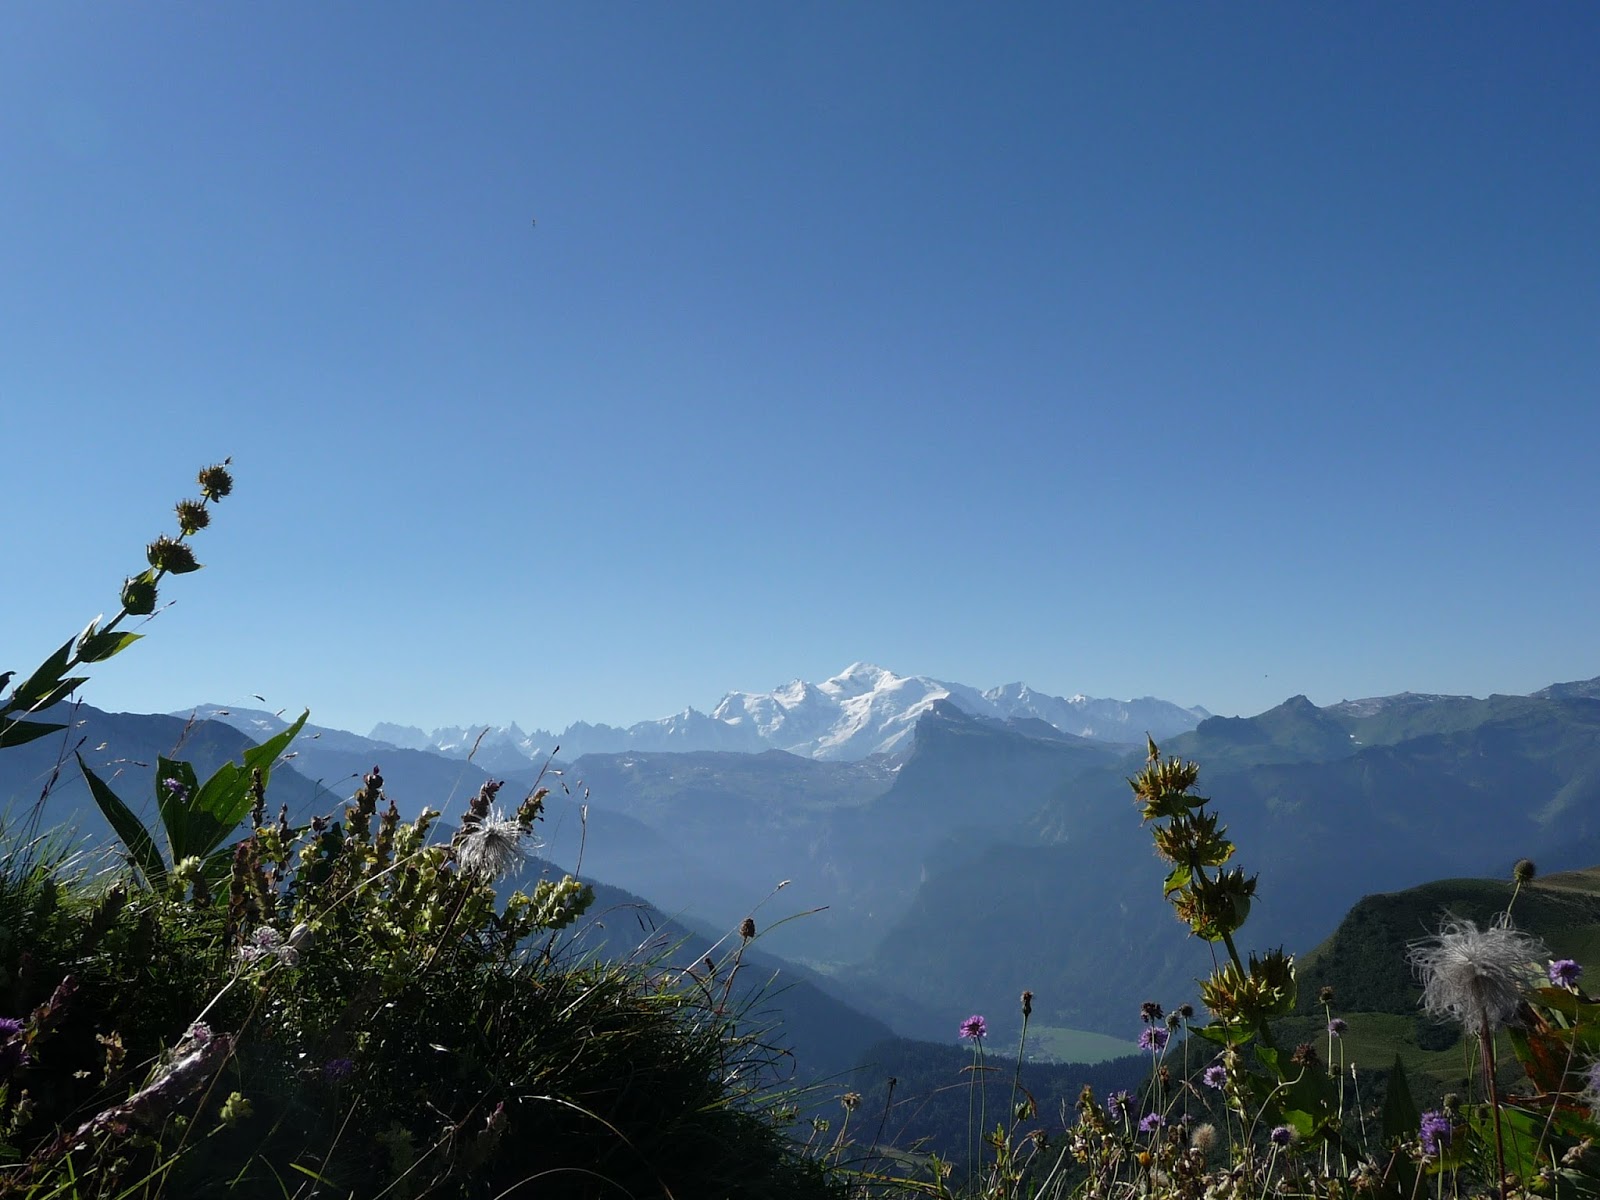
(232, 1003)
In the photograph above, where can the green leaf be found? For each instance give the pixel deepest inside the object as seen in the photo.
(1178, 878)
(1400, 1116)
(176, 805)
(1223, 1035)
(224, 800)
(55, 695)
(43, 681)
(98, 647)
(18, 733)
(141, 848)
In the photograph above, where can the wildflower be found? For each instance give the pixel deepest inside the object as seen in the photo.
(975, 1028)
(199, 1033)
(1524, 870)
(1436, 1133)
(1151, 1122)
(176, 558)
(176, 786)
(13, 1052)
(1282, 1135)
(1149, 1012)
(1204, 1137)
(1475, 976)
(1564, 972)
(192, 516)
(336, 1069)
(267, 942)
(1119, 1104)
(493, 847)
(851, 1101)
(1215, 1077)
(1305, 1055)
(1337, 1026)
(215, 481)
(1153, 1039)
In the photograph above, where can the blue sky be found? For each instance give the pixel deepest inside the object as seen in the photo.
(1215, 352)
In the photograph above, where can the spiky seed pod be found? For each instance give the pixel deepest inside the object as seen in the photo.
(1524, 870)
(192, 516)
(216, 481)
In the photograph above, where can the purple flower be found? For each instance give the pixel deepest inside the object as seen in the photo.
(175, 786)
(1216, 1076)
(1564, 972)
(13, 1051)
(1153, 1039)
(1282, 1135)
(975, 1028)
(336, 1069)
(1151, 1122)
(1436, 1133)
(1337, 1027)
(1119, 1104)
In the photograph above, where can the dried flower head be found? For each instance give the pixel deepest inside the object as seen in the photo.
(747, 928)
(493, 847)
(1325, 995)
(1149, 1012)
(173, 557)
(975, 1028)
(192, 516)
(1027, 1004)
(1476, 976)
(1524, 871)
(215, 481)
(1305, 1055)
(1204, 1137)
(851, 1101)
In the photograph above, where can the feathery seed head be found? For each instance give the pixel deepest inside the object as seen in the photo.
(1476, 976)
(493, 847)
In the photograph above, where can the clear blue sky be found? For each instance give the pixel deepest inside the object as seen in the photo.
(1218, 352)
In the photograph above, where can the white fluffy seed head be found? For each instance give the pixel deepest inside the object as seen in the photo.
(1476, 976)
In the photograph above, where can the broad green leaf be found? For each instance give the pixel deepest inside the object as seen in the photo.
(98, 647)
(1223, 1035)
(1178, 878)
(175, 805)
(1400, 1116)
(17, 733)
(224, 800)
(55, 695)
(141, 849)
(44, 680)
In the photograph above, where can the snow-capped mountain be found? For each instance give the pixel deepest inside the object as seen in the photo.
(861, 711)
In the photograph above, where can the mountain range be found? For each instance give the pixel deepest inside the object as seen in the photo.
(862, 711)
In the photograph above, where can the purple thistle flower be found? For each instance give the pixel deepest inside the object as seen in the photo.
(1119, 1104)
(1337, 1027)
(1215, 1077)
(1282, 1135)
(1153, 1039)
(13, 1051)
(1564, 972)
(1436, 1133)
(336, 1069)
(1151, 1122)
(975, 1028)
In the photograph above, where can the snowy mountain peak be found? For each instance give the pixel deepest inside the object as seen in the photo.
(865, 709)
